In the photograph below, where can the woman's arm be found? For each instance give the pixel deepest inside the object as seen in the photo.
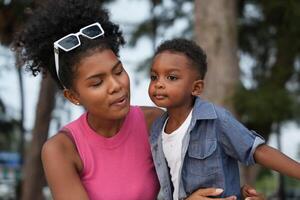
(204, 194)
(273, 159)
(61, 164)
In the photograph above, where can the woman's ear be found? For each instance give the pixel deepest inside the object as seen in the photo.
(198, 86)
(71, 96)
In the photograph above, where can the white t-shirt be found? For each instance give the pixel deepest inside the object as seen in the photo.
(172, 147)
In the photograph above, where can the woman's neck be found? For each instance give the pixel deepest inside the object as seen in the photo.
(105, 127)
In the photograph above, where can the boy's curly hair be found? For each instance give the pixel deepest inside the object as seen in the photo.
(56, 19)
(194, 53)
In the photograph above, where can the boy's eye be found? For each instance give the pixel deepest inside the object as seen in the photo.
(153, 77)
(172, 78)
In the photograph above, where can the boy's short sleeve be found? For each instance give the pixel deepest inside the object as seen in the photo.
(238, 141)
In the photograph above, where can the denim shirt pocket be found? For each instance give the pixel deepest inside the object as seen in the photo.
(203, 158)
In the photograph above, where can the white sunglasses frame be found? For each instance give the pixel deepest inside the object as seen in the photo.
(57, 46)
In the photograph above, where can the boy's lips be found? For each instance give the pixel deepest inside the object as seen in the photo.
(159, 96)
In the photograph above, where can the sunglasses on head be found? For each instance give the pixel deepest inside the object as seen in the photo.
(71, 41)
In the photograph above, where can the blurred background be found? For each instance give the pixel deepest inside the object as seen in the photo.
(253, 50)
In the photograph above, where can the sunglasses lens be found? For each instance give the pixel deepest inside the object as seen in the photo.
(69, 42)
(92, 31)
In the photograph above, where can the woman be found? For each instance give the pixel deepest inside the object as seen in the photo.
(104, 154)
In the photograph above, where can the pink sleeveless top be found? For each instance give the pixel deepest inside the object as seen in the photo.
(120, 167)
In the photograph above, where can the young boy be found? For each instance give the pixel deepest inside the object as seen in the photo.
(196, 144)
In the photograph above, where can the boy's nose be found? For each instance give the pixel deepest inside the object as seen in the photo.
(159, 84)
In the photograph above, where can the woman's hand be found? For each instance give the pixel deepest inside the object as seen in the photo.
(203, 194)
(250, 193)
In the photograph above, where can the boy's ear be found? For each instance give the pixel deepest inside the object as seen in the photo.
(198, 86)
(71, 96)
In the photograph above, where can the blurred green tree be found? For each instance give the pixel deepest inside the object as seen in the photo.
(268, 33)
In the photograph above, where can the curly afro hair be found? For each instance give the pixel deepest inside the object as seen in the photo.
(194, 53)
(56, 19)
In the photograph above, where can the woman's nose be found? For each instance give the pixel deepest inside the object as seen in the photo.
(115, 85)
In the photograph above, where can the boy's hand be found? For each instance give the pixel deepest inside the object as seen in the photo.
(203, 194)
(250, 193)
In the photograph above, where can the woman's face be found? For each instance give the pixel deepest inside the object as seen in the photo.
(102, 86)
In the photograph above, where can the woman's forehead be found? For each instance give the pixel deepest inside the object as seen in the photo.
(100, 60)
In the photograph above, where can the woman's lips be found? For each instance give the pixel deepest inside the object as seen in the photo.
(122, 101)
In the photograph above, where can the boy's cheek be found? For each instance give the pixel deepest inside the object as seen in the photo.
(150, 90)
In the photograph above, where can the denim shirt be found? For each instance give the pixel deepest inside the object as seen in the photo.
(211, 149)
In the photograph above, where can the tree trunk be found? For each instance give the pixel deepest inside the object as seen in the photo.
(216, 32)
(19, 65)
(33, 172)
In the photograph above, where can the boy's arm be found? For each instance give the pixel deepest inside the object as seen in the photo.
(273, 159)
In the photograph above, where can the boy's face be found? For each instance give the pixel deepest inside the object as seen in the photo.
(172, 80)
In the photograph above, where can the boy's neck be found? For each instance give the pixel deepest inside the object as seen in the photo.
(176, 117)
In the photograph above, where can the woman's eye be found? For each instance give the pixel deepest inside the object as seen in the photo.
(119, 72)
(96, 84)
(172, 78)
(153, 77)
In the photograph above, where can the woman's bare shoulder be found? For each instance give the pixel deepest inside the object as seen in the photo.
(62, 166)
(151, 113)
(59, 142)
(59, 145)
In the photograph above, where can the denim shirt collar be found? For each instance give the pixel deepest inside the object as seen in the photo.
(203, 110)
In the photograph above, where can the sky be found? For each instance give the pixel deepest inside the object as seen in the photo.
(123, 12)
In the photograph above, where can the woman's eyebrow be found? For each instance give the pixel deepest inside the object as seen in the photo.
(116, 65)
(102, 74)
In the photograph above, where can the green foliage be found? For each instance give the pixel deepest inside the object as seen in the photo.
(270, 37)
(266, 182)
(164, 16)
(13, 14)
(260, 107)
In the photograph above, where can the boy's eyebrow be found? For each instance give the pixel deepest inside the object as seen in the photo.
(102, 74)
(172, 70)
